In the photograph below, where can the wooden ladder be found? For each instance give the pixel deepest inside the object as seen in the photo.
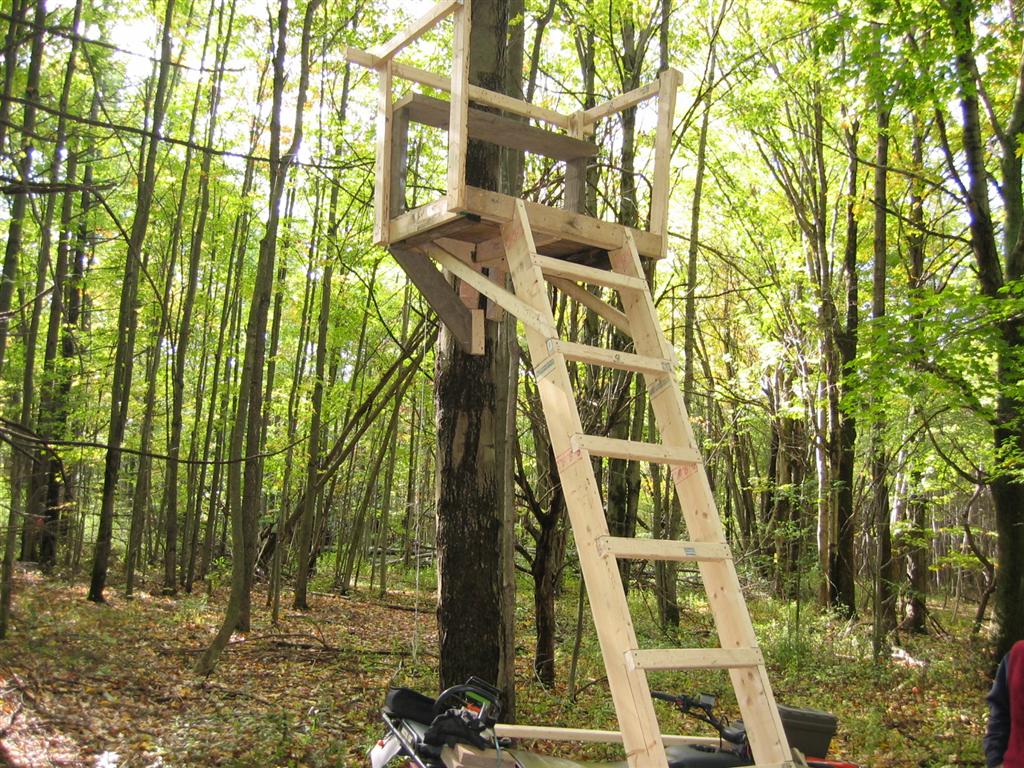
(626, 663)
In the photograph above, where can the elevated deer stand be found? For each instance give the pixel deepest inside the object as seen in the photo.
(480, 237)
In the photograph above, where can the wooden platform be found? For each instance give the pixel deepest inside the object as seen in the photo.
(562, 234)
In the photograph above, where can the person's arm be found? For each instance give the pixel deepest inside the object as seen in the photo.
(997, 736)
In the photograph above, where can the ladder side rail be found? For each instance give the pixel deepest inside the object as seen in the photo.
(614, 625)
(725, 597)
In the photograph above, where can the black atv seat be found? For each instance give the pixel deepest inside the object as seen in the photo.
(409, 705)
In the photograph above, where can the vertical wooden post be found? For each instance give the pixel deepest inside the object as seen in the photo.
(669, 84)
(399, 160)
(575, 170)
(382, 191)
(458, 133)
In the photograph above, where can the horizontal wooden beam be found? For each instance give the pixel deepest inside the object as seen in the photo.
(415, 29)
(667, 550)
(610, 358)
(494, 128)
(634, 450)
(695, 658)
(564, 225)
(552, 733)
(592, 275)
(476, 93)
(620, 103)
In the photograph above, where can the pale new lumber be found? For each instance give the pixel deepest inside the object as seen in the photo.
(634, 450)
(574, 194)
(499, 295)
(465, 756)
(382, 181)
(592, 275)
(610, 358)
(590, 301)
(458, 138)
(753, 689)
(477, 93)
(630, 692)
(619, 103)
(553, 733)
(428, 216)
(415, 29)
(565, 225)
(497, 129)
(668, 550)
(695, 658)
(668, 86)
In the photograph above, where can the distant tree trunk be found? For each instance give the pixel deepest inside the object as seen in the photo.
(124, 355)
(885, 581)
(170, 496)
(42, 506)
(19, 205)
(306, 522)
(843, 566)
(917, 555)
(250, 401)
(1008, 435)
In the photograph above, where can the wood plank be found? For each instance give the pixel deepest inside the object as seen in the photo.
(399, 161)
(611, 358)
(695, 658)
(465, 756)
(575, 193)
(494, 128)
(619, 103)
(660, 188)
(477, 94)
(565, 225)
(668, 550)
(581, 273)
(439, 294)
(499, 295)
(414, 30)
(426, 217)
(554, 733)
(382, 163)
(635, 450)
(602, 308)
(458, 138)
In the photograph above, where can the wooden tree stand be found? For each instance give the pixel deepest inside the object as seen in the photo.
(481, 237)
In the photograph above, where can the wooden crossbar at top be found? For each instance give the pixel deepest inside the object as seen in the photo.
(416, 29)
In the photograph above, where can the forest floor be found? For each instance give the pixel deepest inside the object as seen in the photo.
(111, 685)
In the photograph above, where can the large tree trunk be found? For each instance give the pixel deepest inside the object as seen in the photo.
(473, 627)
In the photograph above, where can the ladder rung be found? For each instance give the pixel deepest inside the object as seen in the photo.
(695, 658)
(579, 272)
(664, 549)
(610, 358)
(635, 450)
